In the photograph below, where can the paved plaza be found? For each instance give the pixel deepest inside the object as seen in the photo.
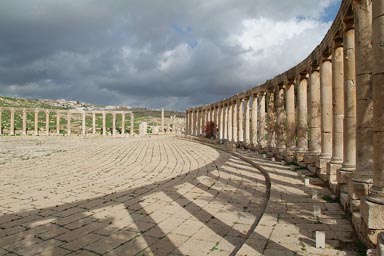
(158, 196)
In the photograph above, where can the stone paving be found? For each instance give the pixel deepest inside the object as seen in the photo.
(155, 196)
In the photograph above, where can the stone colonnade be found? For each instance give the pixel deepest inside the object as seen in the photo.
(326, 113)
(60, 127)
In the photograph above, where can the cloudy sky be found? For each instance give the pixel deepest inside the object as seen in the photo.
(153, 53)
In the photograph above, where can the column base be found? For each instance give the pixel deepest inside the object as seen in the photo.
(289, 155)
(231, 146)
(372, 221)
(299, 156)
(310, 158)
(356, 191)
(321, 167)
(332, 169)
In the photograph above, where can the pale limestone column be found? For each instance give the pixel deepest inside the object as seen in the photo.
(24, 132)
(194, 124)
(221, 122)
(338, 113)
(198, 122)
(1, 121)
(225, 121)
(240, 118)
(377, 191)
(326, 116)
(113, 123)
(261, 127)
(83, 128)
(12, 124)
(291, 119)
(314, 147)
(123, 123)
(253, 136)
(247, 139)
(203, 121)
(234, 122)
(229, 124)
(162, 119)
(302, 139)
(69, 116)
(270, 119)
(217, 117)
(36, 126)
(93, 123)
(104, 125)
(280, 120)
(47, 122)
(132, 124)
(362, 177)
(58, 122)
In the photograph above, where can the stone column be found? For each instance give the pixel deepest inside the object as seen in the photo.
(104, 123)
(83, 129)
(326, 116)
(113, 123)
(225, 123)
(162, 119)
(291, 120)
(271, 120)
(280, 120)
(93, 123)
(1, 122)
(36, 126)
(247, 139)
(203, 121)
(234, 122)
(261, 115)
(338, 113)
(217, 121)
(240, 117)
(372, 208)
(230, 117)
(349, 135)
(132, 123)
(221, 122)
(123, 123)
(58, 122)
(24, 122)
(253, 136)
(198, 117)
(47, 122)
(69, 116)
(194, 122)
(314, 147)
(302, 139)
(362, 177)
(12, 124)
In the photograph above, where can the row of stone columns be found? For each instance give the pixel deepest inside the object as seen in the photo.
(68, 114)
(328, 116)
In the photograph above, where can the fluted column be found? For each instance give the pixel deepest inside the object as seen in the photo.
(338, 113)
(225, 124)
(47, 122)
(314, 147)
(221, 122)
(113, 123)
(12, 122)
(261, 127)
(326, 116)
(123, 123)
(24, 132)
(36, 126)
(302, 139)
(247, 122)
(362, 177)
(69, 123)
(291, 120)
(230, 117)
(234, 122)
(240, 118)
(104, 128)
(132, 123)
(280, 120)
(253, 136)
(58, 123)
(83, 128)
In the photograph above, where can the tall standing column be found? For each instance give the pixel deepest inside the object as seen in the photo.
(162, 120)
(58, 122)
(1, 121)
(302, 141)
(234, 121)
(198, 122)
(217, 121)
(314, 112)
(122, 123)
(113, 123)
(326, 116)
(373, 207)
(104, 126)
(247, 139)
(291, 120)
(93, 123)
(83, 128)
(349, 140)
(47, 122)
(203, 120)
(195, 120)
(261, 115)
(362, 177)
(338, 113)
(225, 124)
(69, 123)
(229, 124)
(280, 120)
(36, 126)
(12, 124)
(254, 121)
(240, 118)
(271, 119)
(24, 122)
(132, 124)
(221, 122)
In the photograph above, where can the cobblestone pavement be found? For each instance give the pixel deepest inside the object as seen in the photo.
(154, 196)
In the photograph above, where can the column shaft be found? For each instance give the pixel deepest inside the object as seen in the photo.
(240, 116)
(291, 120)
(326, 108)
(58, 122)
(12, 124)
(225, 124)
(69, 123)
(280, 120)
(234, 122)
(83, 128)
(261, 126)
(36, 126)
(247, 122)
(314, 116)
(302, 142)
(229, 124)
(132, 124)
(47, 122)
(113, 124)
(254, 121)
(24, 122)
(104, 124)
(122, 123)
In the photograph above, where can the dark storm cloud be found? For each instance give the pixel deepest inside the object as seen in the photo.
(151, 53)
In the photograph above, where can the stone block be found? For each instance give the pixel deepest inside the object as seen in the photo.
(321, 163)
(231, 147)
(310, 159)
(372, 214)
(299, 156)
(357, 189)
(320, 239)
(312, 169)
(344, 201)
(380, 244)
(343, 176)
(332, 172)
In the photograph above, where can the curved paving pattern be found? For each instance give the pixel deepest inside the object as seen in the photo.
(104, 196)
